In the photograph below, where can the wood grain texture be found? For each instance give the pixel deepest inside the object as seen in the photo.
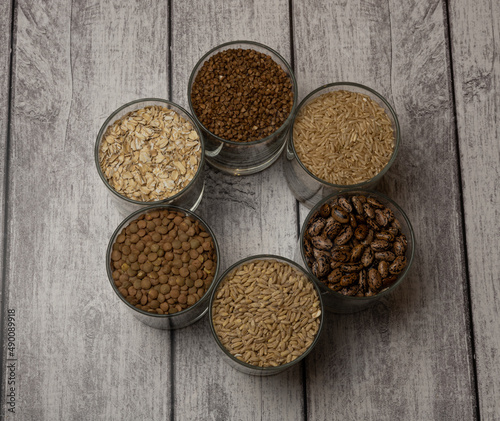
(80, 354)
(475, 35)
(409, 357)
(5, 62)
(249, 215)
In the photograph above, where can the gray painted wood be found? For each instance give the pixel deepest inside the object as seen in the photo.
(5, 61)
(475, 30)
(410, 356)
(249, 215)
(80, 354)
(5, 41)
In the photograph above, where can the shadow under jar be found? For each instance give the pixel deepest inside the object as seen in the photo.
(243, 95)
(358, 246)
(150, 151)
(162, 261)
(266, 314)
(344, 136)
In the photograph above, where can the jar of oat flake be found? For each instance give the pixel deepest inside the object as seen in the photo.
(150, 151)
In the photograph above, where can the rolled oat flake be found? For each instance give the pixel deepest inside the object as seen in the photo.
(150, 154)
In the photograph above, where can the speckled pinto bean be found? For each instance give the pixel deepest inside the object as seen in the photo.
(354, 244)
(163, 262)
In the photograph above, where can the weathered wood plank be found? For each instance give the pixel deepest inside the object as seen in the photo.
(250, 215)
(80, 354)
(410, 356)
(475, 34)
(5, 41)
(5, 61)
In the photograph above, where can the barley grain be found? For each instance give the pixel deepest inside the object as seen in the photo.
(279, 313)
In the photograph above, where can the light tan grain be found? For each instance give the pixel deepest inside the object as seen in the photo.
(279, 317)
(343, 137)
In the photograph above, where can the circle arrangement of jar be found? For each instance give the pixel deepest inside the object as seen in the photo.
(163, 261)
(266, 312)
(355, 245)
(150, 154)
(242, 95)
(343, 137)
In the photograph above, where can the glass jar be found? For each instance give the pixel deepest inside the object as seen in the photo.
(230, 358)
(189, 197)
(334, 301)
(179, 319)
(307, 187)
(244, 158)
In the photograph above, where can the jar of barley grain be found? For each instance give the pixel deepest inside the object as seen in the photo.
(266, 314)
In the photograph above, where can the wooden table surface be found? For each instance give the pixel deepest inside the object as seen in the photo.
(430, 351)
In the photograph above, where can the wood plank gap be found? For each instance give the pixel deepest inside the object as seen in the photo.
(297, 213)
(172, 332)
(172, 373)
(462, 210)
(292, 45)
(292, 64)
(304, 389)
(5, 181)
(297, 208)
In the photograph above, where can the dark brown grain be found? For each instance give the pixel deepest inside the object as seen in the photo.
(242, 95)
